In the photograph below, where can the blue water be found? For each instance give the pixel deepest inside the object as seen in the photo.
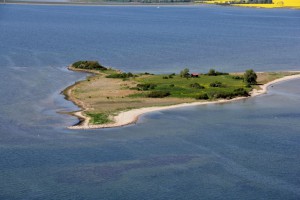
(242, 150)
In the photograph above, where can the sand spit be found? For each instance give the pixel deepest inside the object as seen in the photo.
(131, 116)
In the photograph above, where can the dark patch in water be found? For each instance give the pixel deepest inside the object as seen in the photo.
(104, 173)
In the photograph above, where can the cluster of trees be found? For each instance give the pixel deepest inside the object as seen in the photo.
(185, 73)
(239, 92)
(91, 65)
(250, 77)
(213, 72)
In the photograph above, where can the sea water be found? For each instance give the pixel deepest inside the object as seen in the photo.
(240, 150)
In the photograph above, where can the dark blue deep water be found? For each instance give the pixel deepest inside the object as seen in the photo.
(243, 150)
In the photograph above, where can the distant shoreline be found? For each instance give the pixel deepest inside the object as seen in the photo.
(97, 4)
(124, 118)
(125, 4)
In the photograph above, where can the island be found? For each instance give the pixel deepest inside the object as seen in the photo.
(111, 98)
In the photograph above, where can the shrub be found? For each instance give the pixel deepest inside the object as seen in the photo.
(88, 65)
(237, 77)
(197, 86)
(222, 95)
(172, 85)
(158, 94)
(120, 75)
(240, 92)
(146, 86)
(203, 96)
(216, 84)
(129, 74)
(99, 118)
(171, 75)
(147, 73)
(165, 77)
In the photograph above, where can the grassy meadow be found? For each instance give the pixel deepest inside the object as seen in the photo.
(180, 87)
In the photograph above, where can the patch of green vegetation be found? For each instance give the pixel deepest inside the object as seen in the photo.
(120, 75)
(138, 95)
(216, 84)
(90, 65)
(99, 118)
(185, 73)
(146, 73)
(250, 77)
(203, 96)
(182, 86)
(238, 77)
(213, 72)
(158, 94)
(146, 86)
(240, 92)
(196, 85)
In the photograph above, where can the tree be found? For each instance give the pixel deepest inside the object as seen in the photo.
(211, 72)
(250, 77)
(185, 73)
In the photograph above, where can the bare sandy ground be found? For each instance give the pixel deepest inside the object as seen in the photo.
(131, 116)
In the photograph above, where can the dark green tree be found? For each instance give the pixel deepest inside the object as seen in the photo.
(185, 73)
(211, 72)
(250, 77)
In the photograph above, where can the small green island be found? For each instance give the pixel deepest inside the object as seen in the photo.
(108, 92)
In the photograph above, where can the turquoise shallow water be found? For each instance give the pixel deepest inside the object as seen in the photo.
(243, 150)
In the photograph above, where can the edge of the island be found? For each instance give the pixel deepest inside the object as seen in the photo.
(130, 117)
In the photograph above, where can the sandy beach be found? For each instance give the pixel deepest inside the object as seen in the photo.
(132, 116)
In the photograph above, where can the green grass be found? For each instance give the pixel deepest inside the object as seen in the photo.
(182, 86)
(99, 118)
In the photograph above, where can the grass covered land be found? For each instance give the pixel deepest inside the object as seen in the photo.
(108, 91)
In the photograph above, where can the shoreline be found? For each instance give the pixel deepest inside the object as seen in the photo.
(95, 3)
(138, 4)
(125, 118)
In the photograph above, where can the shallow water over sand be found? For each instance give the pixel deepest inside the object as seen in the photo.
(242, 150)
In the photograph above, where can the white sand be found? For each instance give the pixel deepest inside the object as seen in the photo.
(131, 116)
